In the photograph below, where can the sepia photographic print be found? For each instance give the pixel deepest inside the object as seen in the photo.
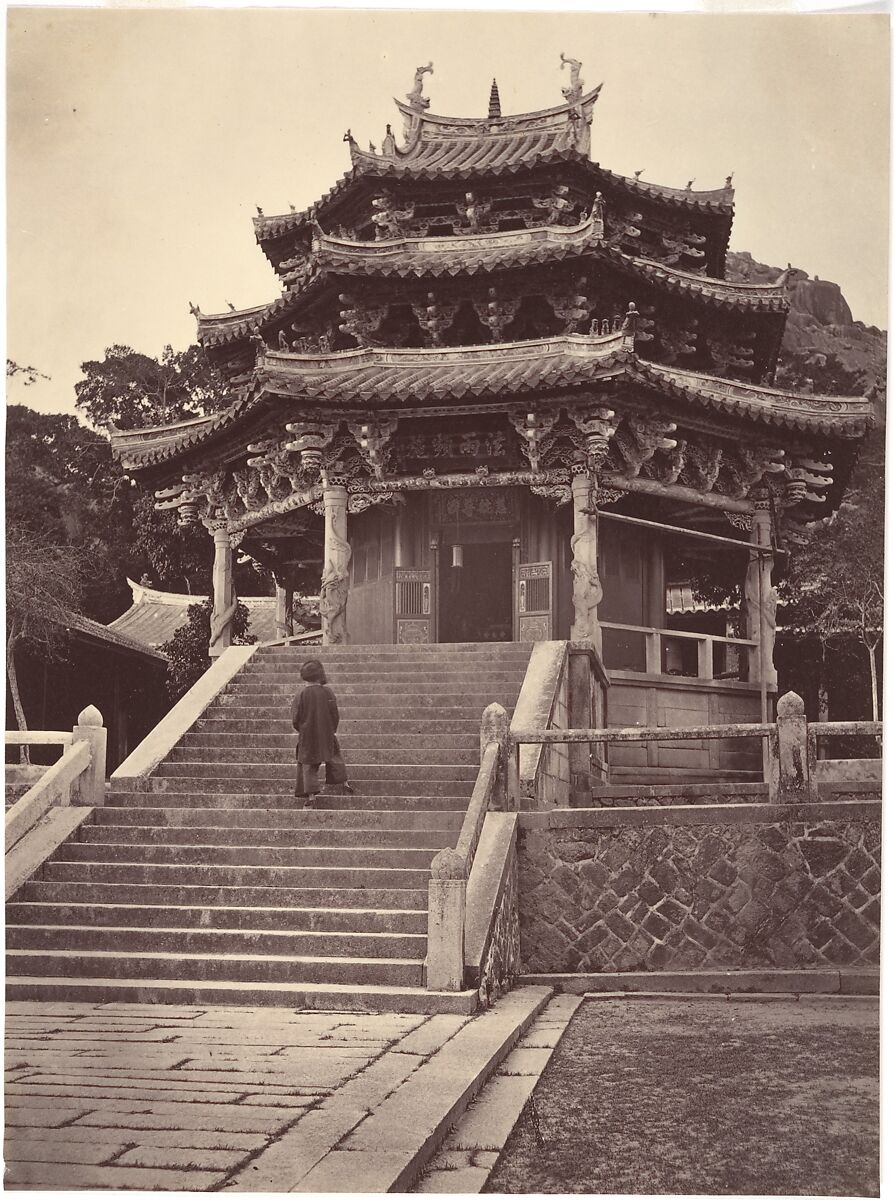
(444, 600)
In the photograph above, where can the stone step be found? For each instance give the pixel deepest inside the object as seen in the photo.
(375, 796)
(281, 968)
(399, 840)
(171, 939)
(429, 651)
(487, 673)
(189, 991)
(224, 721)
(226, 896)
(436, 743)
(422, 697)
(188, 752)
(345, 819)
(215, 855)
(277, 791)
(209, 916)
(361, 773)
(385, 715)
(180, 874)
(346, 691)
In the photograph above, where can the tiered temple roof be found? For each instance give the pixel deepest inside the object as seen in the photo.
(529, 283)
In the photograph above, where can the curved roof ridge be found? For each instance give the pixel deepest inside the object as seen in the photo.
(723, 195)
(732, 387)
(506, 119)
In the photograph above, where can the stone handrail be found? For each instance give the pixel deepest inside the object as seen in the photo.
(79, 775)
(160, 741)
(38, 737)
(791, 770)
(640, 733)
(451, 867)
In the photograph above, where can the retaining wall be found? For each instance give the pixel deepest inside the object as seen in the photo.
(707, 886)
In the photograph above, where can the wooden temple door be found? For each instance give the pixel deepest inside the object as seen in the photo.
(413, 607)
(533, 602)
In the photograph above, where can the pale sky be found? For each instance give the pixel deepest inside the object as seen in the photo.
(141, 141)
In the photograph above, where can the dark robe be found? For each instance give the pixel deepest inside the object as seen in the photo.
(315, 716)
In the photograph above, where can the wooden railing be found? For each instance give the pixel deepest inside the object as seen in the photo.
(655, 656)
(451, 868)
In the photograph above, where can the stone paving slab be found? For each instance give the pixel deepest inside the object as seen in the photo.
(235, 1098)
(471, 1149)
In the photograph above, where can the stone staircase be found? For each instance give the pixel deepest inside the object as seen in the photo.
(204, 883)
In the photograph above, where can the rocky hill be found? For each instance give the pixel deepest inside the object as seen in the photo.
(824, 347)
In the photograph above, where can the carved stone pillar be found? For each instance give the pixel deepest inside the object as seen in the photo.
(760, 600)
(224, 596)
(586, 590)
(336, 558)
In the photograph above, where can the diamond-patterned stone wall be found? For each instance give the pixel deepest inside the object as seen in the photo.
(670, 895)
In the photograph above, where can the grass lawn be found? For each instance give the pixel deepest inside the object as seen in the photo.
(758, 1097)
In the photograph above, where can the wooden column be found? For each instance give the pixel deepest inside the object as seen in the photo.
(760, 601)
(284, 578)
(223, 592)
(586, 590)
(336, 560)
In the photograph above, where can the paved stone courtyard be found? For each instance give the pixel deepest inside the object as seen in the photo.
(185, 1099)
(130, 1096)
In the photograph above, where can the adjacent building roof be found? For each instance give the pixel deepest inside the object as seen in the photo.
(154, 616)
(120, 639)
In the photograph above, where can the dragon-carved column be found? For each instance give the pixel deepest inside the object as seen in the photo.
(586, 589)
(336, 560)
(597, 426)
(224, 595)
(760, 599)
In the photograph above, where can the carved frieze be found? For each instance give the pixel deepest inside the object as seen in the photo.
(639, 437)
(496, 313)
(374, 440)
(535, 430)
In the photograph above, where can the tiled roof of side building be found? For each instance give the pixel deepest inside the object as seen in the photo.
(154, 616)
(111, 635)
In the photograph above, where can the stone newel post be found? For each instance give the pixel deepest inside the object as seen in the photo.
(760, 601)
(586, 588)
(91, 786)
(336, 558)
(223, 592)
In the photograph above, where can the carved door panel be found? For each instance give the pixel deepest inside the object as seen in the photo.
(534, 602)
(412, 605)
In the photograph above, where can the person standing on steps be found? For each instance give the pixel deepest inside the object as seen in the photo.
(315, 717)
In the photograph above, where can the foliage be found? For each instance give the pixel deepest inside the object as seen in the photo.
(44, 583)
(128, 390)
(65, 490)
(28, 375)
(834, 586)
(187, 650)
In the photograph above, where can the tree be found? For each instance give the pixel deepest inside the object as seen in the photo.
(129, 390)
(187, 650)
(834, 586)
(44, 583)
(29, 375)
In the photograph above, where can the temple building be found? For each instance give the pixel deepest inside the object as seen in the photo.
(507, 394)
